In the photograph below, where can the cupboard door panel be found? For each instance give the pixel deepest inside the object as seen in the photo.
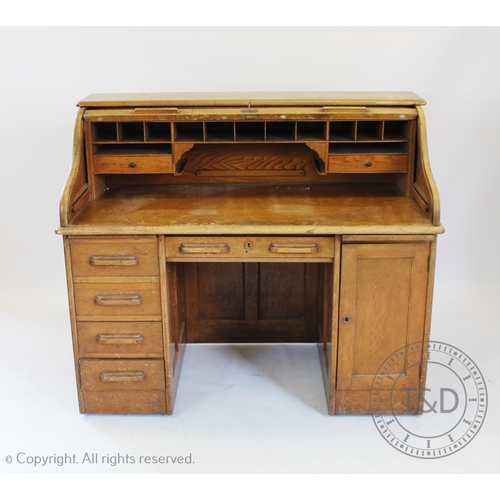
(382, 308)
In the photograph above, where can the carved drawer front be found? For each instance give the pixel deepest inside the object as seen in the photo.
(368, 163)
(121, 339)
(133, 164)
(100, 301)
(123, 386)
(110, 257)
(285, 249)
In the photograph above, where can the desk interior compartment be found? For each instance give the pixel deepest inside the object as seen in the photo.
(131, 132)
(311, 131)
(158, 132)
(104, 132)
(280, 131)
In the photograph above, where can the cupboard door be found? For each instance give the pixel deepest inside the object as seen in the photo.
(382, 308)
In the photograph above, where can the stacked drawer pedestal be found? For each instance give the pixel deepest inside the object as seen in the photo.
(118, 323)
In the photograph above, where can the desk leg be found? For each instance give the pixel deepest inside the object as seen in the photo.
(174, 322)
(329, 311)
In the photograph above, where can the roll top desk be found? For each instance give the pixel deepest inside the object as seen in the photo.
(304, 217)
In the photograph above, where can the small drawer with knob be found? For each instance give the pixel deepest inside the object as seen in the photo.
(130, 163)
(368, 163)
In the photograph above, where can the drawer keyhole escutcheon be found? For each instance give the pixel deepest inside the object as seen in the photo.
(368, 163)
(346, 319)
(132, 164)
(248, 245)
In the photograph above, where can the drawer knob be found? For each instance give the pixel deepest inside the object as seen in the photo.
(132, 164)
(368, 163)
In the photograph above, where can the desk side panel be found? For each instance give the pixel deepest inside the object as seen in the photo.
(76, 191)
(425, 191)
(72, 315)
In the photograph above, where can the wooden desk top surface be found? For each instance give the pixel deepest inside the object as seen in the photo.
(256, 99)
(243, 210)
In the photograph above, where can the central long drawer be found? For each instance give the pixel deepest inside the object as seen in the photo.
(249, 248)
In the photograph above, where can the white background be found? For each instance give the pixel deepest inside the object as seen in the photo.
(279, 425)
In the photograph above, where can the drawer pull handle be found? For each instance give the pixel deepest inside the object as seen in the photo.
(110, 260)
(119, 338)
(117, 300)
(343, 109)
(138, 376)
(155, 111)
(368, 163)
(204, 248)
(294, 248)
(131, 164)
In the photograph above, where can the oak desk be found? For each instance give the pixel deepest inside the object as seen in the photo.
(304, 217)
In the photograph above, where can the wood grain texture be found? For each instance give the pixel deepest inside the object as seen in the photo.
(230, 209)
(176, 309)
(256, 98)
(249, 157)
(250, 302)
(116, 339)
(425, 185)
(428, 315)
(333, 305)
(165, 304)
(382, 308)
(112, 386)
(133, 163)
(119, 257)
(93, 372)
(248, 249)
(367, 163)
(358, 403)
(240, 114)
(72, 316)
(76, 185)
(88, 303)
(247, 217)
(125, 402)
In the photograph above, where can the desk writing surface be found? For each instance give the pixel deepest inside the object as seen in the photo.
(257, 209)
